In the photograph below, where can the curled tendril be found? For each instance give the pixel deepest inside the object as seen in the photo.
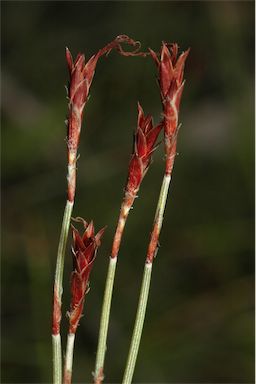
(79, 219)
(116, 44)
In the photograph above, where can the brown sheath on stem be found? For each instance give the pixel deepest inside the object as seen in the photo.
(56, 313)
(67, 378)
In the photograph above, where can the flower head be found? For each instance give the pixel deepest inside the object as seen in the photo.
(144, 145)
(81, 75)
(84, 252)
(170, 77)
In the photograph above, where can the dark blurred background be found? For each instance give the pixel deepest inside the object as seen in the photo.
(200, 321)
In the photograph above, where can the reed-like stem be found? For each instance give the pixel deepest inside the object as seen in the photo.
(144, 145)
(138, 327)
(69, 359)
(62, 247)
(58, 288)
(57, 359)
(158, 220)
(142, 305)
(104, 322)
(106, 306)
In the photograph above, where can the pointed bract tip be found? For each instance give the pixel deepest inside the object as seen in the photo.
(69, 59)
(99, 235)
(154, 56)
(90, 230)
(140, 109)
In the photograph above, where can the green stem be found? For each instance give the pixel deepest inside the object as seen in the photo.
(142, 305)
(58, 289)
(138, 327)
(57, 367)
(62, 247)
(69, 359)
(100, 357)
(162, 200)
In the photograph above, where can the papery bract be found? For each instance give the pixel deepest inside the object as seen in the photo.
(84, 252)
(81, 75)
(171, 83)
(144, 145)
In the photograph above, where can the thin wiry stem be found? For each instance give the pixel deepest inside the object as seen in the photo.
(58, 288)
(69, 359)
(138, 327)
(144, 145)
(105, 313)
(142, 305)
(62, 247)
(57, 359)
(104, 322)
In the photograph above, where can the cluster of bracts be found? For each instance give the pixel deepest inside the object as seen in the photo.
(170, 68)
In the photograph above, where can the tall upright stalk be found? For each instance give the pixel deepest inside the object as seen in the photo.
(144, 145)
(81, 76)
(171, 68)
(104, 321)
(56, 338)
(107, 299)
(144, 291)
(77, 94)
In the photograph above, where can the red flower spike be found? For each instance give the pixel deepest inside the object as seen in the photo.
(84, 252)
(81, 76)
(144, 145)
(170, 78)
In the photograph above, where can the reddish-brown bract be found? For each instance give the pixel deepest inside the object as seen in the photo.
(171, 83)
(144, 145)
(81, 76)
(170, 77)
(153, 244)
(84, 252)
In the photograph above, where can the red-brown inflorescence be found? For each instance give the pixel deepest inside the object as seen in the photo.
(144, 145)
(81, 76)
(170, 77)
(84, 252)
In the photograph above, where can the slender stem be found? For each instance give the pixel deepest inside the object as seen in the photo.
(58, 288)
(158, 220)
(138, 327)
(69, 359)
(100, 357)
(142, 305)
(62, 247)
(105, 312)
(163, 198)
(56, 349)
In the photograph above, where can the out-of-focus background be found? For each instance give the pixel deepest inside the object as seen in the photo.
(199, 325)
